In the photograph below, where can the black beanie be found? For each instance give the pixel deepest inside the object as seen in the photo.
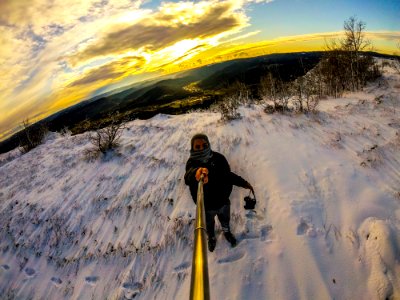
(199, 136)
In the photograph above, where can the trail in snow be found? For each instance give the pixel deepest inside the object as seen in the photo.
(326, 224)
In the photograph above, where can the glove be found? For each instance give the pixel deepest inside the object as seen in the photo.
(201, 171)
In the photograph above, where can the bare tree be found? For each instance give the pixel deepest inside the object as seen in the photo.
(31, 135)
(353, 43)
(311, 94)
(329, 68)
(355, 40)
(241, 91)
(345, 64)
(268, 88)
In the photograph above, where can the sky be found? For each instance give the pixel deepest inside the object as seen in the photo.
(56, 53)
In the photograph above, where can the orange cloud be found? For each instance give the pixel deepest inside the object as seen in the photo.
(110, 71)
(172, 23)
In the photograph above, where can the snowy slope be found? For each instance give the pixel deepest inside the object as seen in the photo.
(327, 223)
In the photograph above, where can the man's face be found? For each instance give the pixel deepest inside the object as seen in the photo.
(200, 144)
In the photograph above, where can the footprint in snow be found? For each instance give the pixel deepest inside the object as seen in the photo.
(302, 228)
(253, 215)
(91, 279)
(30, 272)
(265, 230)
(182, 266)
(5, 267)
(231, 258)
(261, 234)
(56, 280)
(248, 235)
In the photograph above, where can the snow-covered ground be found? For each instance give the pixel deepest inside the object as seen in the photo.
(326, 226)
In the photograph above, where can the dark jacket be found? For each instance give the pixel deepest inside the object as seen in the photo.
(220, 181)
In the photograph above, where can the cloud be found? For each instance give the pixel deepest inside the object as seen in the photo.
(110, 71)
(382, 35)
(42, 15)
(172, 23)
(14, 59)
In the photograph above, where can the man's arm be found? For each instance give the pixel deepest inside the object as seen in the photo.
(190, 179)
(234, 178)
(238, 181)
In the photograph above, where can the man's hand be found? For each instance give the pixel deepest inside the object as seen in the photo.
(249, 187)
(201, 171)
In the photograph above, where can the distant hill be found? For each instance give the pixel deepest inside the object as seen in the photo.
(249, 71)
(146, 99)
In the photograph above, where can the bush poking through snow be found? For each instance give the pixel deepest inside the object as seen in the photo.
(236, 94)
(105, 139)
(301, 95)
(228, 108)
(31, 136)
(276, 91)
(306, 94)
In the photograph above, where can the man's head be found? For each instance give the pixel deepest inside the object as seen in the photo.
(200, 148)
(199, 142)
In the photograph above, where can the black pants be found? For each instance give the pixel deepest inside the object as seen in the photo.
(224, 216)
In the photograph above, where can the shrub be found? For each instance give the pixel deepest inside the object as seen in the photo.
(240, 91)
(275, 90)
(228, 108)
(306, 93)
(236, 94)
(106, 138)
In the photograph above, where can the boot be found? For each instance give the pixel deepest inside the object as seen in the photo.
(230, 238)
(212, 241)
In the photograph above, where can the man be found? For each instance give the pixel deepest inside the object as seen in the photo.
(218, 181)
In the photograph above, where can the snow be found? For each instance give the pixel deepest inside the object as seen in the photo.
(121, 227)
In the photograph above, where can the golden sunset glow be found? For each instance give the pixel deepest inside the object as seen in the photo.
(58, 53)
